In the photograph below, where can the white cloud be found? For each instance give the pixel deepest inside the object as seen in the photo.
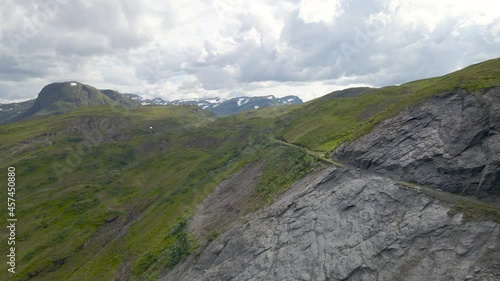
(431, 13)
(182, 49)
(319, 10)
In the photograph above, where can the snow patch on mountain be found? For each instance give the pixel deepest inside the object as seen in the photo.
(242, 101)
(221, 106)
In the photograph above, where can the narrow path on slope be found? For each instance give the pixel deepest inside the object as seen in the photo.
(315, 154)
(443, 196)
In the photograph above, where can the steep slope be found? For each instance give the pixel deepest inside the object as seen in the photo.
(351, 224)
(341, 224)
(325, 123)
(103, 187)
(450, 142)
(80, 188)
(118, 193)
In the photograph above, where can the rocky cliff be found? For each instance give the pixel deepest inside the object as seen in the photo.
(343, 224)
(364, 223)
(450, 142)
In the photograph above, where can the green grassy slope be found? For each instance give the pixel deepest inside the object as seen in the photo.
(101, 190)
(108, 191)
(324, 123)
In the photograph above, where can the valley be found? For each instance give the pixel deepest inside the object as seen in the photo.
(393, 183)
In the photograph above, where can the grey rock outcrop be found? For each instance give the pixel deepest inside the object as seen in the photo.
(450, 142)
(341, 224)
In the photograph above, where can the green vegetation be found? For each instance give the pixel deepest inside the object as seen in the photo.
(102, 188)
(106, 191)
(476, 211)
(182, 246)
(472, 209)
(177, 245)
(284, 166)
(323, 124)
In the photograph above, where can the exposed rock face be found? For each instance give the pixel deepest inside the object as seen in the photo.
(450, 142)
(227, 201)
(340, 224)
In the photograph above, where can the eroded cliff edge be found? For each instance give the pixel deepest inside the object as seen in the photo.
(450, 142)
(343, 224)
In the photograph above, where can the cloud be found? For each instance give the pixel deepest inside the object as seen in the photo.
(319, 10)
(224, 48)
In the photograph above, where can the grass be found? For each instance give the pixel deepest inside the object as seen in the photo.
(476, 211)
(68, 213)
(440, 195)
(176, 246)
(119, 195)
(322, 157)
(104, 191)
(283, 166)
(472, 209)
(323, 124)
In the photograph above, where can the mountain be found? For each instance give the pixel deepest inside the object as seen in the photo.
(397, 206)
(449, 142)
(223, 107)
(383, 214)
(393, 183)
(142, 101)
(249, 103)
(343, 224)
(119, 98)
(11, 111)
(59, 98)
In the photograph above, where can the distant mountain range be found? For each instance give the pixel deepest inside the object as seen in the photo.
(221, 106)
(59, 98)
(395, 183)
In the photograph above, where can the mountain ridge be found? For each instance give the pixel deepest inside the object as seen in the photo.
(62, 97)
(169, 192)
(223, 107)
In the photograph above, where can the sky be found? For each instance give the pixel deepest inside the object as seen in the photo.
(229, 48)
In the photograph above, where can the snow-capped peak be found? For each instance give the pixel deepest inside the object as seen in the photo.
(242, 101)
(221, 106)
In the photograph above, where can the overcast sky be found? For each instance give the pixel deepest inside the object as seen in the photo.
(228, 48)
